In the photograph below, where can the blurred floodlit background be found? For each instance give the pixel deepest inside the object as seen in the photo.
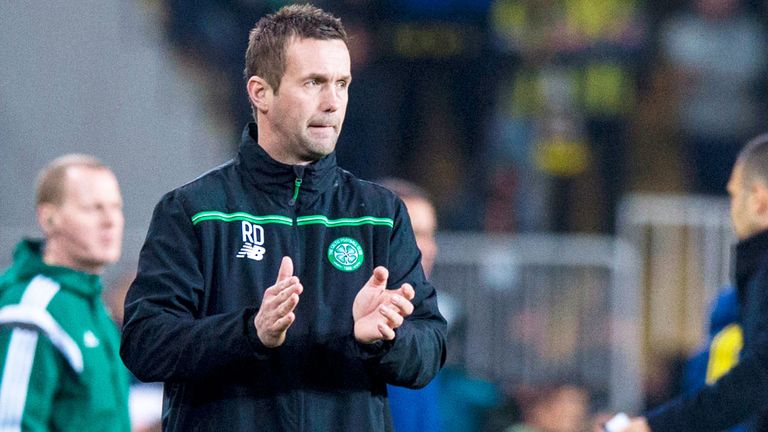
(577, 151)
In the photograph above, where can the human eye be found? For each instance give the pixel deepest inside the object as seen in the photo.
(96, 207)
(312, 82)
(116, 206)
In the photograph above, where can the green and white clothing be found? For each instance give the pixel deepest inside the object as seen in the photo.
(61, 369)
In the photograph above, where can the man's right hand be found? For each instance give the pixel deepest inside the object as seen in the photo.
(276, 312)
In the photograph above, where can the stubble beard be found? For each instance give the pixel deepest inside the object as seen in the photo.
(314, 149)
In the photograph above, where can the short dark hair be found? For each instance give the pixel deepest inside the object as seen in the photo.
(267, 42)
(754, 157)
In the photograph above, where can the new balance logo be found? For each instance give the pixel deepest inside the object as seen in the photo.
(253, 239)
(251, 251)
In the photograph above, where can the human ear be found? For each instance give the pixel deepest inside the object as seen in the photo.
(259, 93)
(759, 198)
(47, 217)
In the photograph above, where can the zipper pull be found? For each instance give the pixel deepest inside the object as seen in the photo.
(296, 186)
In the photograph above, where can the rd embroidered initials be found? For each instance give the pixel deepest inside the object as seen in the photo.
(253, 239)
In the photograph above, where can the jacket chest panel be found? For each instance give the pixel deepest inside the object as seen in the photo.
(242, 255)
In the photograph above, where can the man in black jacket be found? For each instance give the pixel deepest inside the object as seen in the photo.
(278, 291)
(742, 393)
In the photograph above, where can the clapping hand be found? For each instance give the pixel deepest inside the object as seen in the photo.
(276, 315)
(378, 311)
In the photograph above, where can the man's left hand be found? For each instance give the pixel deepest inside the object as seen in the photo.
(378, 311)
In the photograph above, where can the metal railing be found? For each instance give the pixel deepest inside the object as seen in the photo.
(684, 244)
(542, 308)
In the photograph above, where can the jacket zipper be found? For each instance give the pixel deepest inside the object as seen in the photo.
(298, 170)
(296, 187)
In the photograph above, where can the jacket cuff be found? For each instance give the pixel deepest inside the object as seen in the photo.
(249, 328)
(374, 350)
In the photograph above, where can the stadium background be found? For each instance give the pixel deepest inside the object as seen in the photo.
(555, 137)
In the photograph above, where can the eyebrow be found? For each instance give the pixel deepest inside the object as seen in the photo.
(324, 77)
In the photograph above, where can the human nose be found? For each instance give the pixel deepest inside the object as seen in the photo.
(111, 217)
(333, 98)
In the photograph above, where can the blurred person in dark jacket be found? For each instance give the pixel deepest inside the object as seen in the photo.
(741, 394)
(417, 410)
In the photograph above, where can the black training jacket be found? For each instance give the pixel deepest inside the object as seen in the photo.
(214, 245)
(742, 393)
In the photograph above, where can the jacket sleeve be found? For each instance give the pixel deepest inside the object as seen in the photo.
(29, 383)
(165, 338)
(418, 350)
(735, 397)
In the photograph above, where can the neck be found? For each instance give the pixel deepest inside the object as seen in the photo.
(276, 149)
(54, 256)
(276, 152)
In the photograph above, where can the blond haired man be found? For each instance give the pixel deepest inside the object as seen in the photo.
(58, 345)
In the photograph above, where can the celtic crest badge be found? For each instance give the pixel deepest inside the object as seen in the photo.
(345, 254)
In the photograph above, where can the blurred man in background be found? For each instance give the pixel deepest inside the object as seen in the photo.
(423, 218)
(58, 346)
(721, 350)
(417, 410)
(557, 407)
(741, 393)
(717, 52)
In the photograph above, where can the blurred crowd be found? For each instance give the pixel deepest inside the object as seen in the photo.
(522, 115)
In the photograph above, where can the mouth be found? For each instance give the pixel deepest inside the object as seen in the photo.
(322, 131)
(323, 122)
(110, 238)
(322, 126)
(109, 243)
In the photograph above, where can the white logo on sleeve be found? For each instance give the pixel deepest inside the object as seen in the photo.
(253, 239)
(90, 340)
